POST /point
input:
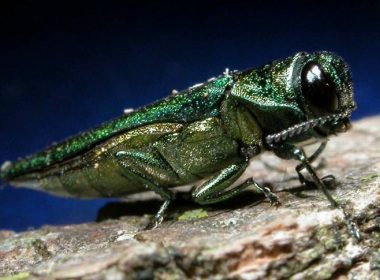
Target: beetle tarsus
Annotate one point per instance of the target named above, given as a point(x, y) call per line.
point(353, 227)
point(330, 181)
point(159, 217)
point(273, 199)
point(269, 195)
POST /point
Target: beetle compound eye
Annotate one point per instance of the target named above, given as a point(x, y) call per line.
point(318, 89)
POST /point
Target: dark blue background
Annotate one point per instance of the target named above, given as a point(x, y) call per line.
point(65, 67)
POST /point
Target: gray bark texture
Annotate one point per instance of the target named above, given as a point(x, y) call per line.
point(243, 238)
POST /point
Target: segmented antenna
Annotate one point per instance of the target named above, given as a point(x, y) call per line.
point(302, 128)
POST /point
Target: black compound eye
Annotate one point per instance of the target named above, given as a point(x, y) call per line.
point(318, 89)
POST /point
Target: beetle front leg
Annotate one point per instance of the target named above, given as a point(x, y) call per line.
point(289, 151)
point(301, 166)
point(214, 190)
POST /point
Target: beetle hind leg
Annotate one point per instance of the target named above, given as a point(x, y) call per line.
point(159, 217)
point(149, 168)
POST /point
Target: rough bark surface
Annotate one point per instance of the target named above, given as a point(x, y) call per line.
point(244, 238)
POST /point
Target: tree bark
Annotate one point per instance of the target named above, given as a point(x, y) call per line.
point(243, 238)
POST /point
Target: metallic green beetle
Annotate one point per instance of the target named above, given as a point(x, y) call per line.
point(210, 130)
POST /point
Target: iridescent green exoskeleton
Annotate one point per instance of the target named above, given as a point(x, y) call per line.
point(209, 131)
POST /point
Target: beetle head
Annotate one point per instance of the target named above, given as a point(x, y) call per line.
point(303, 96)
point(325, 91)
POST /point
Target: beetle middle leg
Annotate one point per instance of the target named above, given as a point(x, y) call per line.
point(149, 168)
point(214, 190)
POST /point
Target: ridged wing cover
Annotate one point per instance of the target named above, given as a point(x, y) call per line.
point(193, 104)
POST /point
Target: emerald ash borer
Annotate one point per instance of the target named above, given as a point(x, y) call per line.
point(208, 131)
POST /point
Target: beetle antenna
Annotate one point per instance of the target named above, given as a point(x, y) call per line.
point(303, 127)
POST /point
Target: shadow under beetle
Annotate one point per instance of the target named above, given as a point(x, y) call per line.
point(210, 130)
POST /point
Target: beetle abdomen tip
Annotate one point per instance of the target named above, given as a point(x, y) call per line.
point(5, 167)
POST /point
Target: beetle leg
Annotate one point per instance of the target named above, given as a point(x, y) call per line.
point(289, 151)
point(214, 190)
point(140, 163)
point(300, 167)
point(329, 180)
point(269, 195)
